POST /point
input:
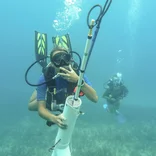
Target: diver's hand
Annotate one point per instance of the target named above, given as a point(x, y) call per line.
point(59, 120)
point(112, 99)
point(69, 75)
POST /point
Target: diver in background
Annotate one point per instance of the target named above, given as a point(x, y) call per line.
point(114, 92)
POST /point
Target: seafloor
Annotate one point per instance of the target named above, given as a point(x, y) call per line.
point(97, 135)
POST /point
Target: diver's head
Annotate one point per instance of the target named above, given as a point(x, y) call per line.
point(117, 78)
point(60, 57)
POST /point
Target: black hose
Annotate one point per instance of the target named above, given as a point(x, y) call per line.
point(101, 14)
point(97, 23)
point(26, 73)
point(35, 85)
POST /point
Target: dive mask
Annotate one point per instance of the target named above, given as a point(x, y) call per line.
point(61, 59)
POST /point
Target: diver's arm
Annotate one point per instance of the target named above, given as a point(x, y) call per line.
point(89, 92)
point(44, 113)
point(106, 97)
point(71, 76)
point(106, 94)
point(125, 91)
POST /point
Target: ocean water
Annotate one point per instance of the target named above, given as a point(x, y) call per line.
point(125, 43)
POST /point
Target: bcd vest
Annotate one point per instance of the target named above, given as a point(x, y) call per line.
point(49, 73)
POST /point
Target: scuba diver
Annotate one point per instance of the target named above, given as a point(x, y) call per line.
point(114, 92)
point(59, 80)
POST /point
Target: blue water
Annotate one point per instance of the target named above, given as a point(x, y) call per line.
point(125, 43)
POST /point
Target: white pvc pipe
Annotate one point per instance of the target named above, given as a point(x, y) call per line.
point(71, 113)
